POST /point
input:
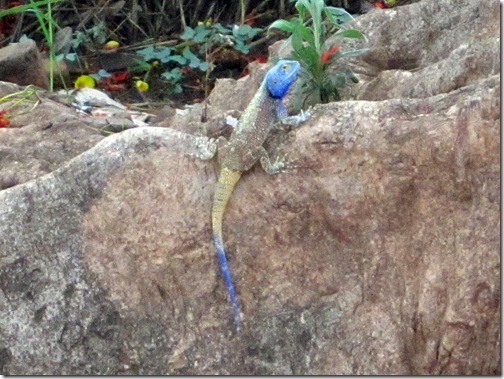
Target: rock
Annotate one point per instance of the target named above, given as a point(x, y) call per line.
point(22, 64)
point(44, 134)
point(419, 50)
point(426, 48)
point(375, 252)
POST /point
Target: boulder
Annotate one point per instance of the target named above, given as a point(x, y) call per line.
point(426, 48)
point(44, 134)
point(21, 63)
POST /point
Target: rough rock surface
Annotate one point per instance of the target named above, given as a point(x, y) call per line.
point(41, 137)
point(427, 48)
point(375, 252)
point(22, 64)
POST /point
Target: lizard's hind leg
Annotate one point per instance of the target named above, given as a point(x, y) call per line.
point(268, 166)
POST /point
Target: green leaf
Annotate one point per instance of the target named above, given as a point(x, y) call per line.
point(221, 29)
point(242, 31)
point(316, 9)
point(188, 33)
point(201, 34)
point(164, 54)
point(349, 33)
point(140, 66)
point(337, 16)
point(147, 52)
point(178, 58)
point(296, 42)
point(284, 25)
point(79, 37)
point(173, 75)
point(306, 34)
point(241, 47)
point(194, 61)
point(203, 66)
point(26, 7)
point(301, 7)
point(309, 55)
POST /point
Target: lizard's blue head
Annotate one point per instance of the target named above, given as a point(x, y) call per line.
point(280, 77)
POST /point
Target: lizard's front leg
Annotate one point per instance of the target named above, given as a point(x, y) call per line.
point(289, 121)
point(296, 120)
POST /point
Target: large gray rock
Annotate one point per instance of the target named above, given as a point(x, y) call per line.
point(43, 136)
point(427, 48)
point(21, 63)
point(375, 252)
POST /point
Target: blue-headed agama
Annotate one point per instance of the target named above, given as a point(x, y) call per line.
point(245, 148)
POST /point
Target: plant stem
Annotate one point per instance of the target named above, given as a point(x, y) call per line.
point(242, 12)
point(50, 43)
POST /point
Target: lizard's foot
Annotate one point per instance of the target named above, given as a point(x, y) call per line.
point(272, 168)
point(297, 119)
point(207, 147)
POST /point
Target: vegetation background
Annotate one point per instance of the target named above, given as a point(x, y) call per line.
point(159, 49)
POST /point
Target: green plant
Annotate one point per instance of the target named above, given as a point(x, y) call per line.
point(207, 40)
point(162, 55)
point(310, 31)
point(46, 23)
point(214, 38)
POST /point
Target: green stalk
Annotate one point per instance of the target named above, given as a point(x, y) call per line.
point(26, 7)
point(50, 43)
point(316, 31)
point(46, 23)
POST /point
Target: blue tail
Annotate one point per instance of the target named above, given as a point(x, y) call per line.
point(226, 275)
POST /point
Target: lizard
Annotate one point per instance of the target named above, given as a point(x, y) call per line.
point(245, 148)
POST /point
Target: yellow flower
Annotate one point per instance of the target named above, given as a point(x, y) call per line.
point(206, 23)
point(142, 86)
point(84, 81)
point(111, 45)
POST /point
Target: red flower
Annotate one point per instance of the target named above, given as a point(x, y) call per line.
point(118, 77)
point(4, 119)
point(326, 55)
point(379, 4)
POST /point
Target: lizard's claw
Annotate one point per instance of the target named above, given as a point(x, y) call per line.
point(304, 116)
point(272, 168)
